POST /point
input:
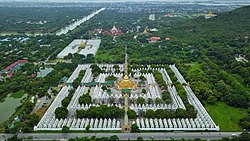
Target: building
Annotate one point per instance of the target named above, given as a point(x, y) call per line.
point(106, 32)
point(151, 17)
point(153, 30)
point(15, 65)
point(115, 31)
point(145, 32)
point(209, 15)
point(167, 39)
point(154, 39)
point(80, 46)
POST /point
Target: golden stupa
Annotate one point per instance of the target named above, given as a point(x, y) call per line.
point(210, 14)
point(145, 31)
point(82, 44)
point(126, 83)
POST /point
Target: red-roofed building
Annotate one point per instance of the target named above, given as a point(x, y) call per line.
point(10, 74)
point(106, 32)
point(154, 39)
point(33, 75)
point(15, 64)
point(118, 32)
point(167, 39)
point(115, 31)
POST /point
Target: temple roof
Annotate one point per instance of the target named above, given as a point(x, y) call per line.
point(126, 83)
point(114, 28)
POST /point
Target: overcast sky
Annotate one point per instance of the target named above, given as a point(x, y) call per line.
point(113, 0)
point(87, 0)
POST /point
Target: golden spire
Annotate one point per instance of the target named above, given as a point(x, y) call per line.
point(145, 31)
point(210, 14)
point(126, 83)
point(82, 44)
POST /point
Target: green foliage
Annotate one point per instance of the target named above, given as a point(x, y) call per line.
point(25, 125)
point(181, 113)
point(178, 113)
point(54, 21)
point(85, 99)
point(211, 99)
point(65, 102)
point(95, 70)
point(65, 129)
point(140, 100)
point(150, 101)
point(159, 101)
point(61, 112)
point(111, 78)
point(140, 139)
point(77, 81)
point(102, 111)
point(104, 88)
point(87, 128)
point(14, 138)
point(114, 138)
point(135, 128)
point(165, 94)
point(131, 114)
point(142, 78)
point(150, 113)
point(245, 122)
point(236, 100)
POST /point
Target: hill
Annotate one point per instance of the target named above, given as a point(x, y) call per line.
point(230, 25)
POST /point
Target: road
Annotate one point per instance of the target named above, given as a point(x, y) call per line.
point(126, 136)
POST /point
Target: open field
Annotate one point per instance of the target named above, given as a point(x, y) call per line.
point(227, 117)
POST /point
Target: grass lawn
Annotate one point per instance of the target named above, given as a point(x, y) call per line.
point(105, 56)
point(194, 67)
point(227, 117)
point(18, 94)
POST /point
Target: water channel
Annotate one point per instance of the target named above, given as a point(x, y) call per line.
point(72, 26)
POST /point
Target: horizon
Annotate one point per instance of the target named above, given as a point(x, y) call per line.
point(108, 1)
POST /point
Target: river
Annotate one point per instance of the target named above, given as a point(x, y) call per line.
point(72, 26)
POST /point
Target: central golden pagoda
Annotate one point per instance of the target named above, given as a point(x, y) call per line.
point(126, 83)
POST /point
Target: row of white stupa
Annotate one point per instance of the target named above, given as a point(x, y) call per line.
point(202, 122)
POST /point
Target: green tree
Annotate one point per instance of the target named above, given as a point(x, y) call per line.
point(87, 128)
point(61, 112)
point(135, 128)
point(65, 129)
point(150, 113)
point(244, 136)
point(114, 138)
point(140, 139)
point(66, 101)
point(85, 99)
point(211, 99)
point(140, 100)
point(131, 114)
point(181, 113)
point(150, 101)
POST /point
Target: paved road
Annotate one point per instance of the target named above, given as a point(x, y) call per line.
point(126, 136)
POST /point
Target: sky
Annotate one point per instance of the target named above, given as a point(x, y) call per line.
point(111, 0)
point(87, 0)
